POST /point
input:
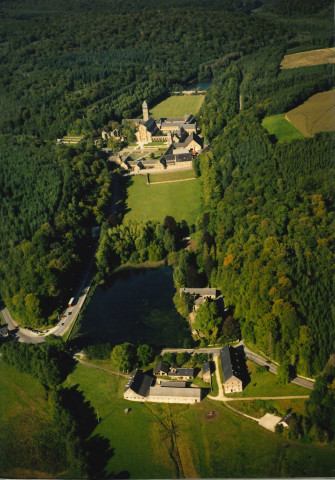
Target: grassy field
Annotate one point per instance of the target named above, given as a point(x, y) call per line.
point(265, 385)
point(283, 130)
point(164, 177)
point(26, 423)
point(317, 114)
point(306, 59)
point(178, 106)
point(180, 200)
point(177, 441)
point(258, 408)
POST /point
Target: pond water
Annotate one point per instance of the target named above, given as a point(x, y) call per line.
point(201, 86)
point(137, 306)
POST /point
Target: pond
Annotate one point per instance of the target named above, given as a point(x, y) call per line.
point(200, 86)
point(137, 307)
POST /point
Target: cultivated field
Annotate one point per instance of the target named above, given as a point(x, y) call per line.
point(317, 114)
point(181, 200)
point(283, 130)
point(307, 59)
point(177, 441)
point(178, 106)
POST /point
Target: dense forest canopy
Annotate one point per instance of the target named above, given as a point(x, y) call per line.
point(270, 219)
point(73, 68)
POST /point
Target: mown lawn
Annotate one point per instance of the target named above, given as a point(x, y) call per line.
point(176, 441)
point(178, 106)
point(164, 177)
point(283, 130)
point(265, 385)
point(181, 200)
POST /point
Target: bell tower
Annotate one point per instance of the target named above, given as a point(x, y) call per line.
point(145, 111)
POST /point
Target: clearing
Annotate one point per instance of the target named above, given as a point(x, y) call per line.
point(317, 114)
point(283, 130)
point(177, 441)
point(309, 58)
point(181, 200)
point(178, 106)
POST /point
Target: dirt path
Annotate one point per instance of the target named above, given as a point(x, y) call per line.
point(173, 181)
point(100, 368)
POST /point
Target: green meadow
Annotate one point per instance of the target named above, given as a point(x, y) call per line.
point(283, 130)
point(181, 200)
point(181, 441)
point(264, 384)
point(178, 106)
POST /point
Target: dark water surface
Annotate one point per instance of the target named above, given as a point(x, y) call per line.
point(137, 306)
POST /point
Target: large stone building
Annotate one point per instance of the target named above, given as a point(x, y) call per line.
point(231, 370)
point(161, 129)
point(144, 388)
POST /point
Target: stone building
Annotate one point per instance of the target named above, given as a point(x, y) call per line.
point(231, 370)
point(144, 388)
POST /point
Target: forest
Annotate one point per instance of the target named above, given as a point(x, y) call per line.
point(269, 210)
point(265, 238)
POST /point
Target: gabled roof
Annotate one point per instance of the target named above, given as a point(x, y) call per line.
point(190, 392)
point(206, 367)
point(182, 372)
point(161, 367)
point(229, 363)
point(139, 383)
point(173, 384)
point(199, 291)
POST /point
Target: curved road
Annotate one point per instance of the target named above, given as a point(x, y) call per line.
point(68, 317)
point(306, 383)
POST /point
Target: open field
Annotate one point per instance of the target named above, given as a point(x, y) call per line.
point(317, 114)
point(181, 200)
point(164, 177)
point(258, 408)
point(283, 130)
point(176, 441)
point(26, 424)
point(306, 59)
point(178, 106)
point(265, 385)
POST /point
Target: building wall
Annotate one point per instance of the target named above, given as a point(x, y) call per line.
point(233, 384)
point(159, 399)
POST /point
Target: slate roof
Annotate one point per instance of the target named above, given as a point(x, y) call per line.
point(178, 157)
point(192, 136)
point(229, 362)
point(176, 392)
point(199, 291)
point(150, 124)
point(161, 367)
point(182, 372)
point(206, 367)
point(139, 383)
point(173, 384)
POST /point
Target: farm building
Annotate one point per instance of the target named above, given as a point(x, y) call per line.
point(231, 370)
point(140, 388)
point(161, 368)
point(206, 372)
point(183, 373)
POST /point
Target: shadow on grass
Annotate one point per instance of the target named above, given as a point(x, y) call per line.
point(124, 184)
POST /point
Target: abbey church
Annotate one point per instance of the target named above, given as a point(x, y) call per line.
point(163, 129)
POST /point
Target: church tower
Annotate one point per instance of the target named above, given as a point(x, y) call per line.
point(145, 111)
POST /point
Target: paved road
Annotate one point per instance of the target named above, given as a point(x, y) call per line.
point(68, 316)
point(250, 355)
